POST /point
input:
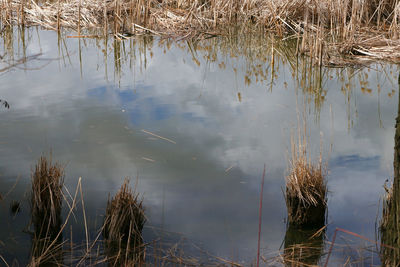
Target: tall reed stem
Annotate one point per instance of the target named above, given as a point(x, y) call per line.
point(260, 218)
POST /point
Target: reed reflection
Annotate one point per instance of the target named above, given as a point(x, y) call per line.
point(303, 247)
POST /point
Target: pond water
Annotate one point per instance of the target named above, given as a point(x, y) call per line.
point(224, 107)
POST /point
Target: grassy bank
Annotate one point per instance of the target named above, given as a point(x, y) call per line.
point(323, 28)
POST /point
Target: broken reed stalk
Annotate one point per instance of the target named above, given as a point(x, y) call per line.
point(116, 17)
point(46, 201)
point(105, 19)
point(305, 188)
point(58, 16)
point(22, 12)
point(123, 225)
point(79, 18)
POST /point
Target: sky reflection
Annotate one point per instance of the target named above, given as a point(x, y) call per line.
point(206, 185)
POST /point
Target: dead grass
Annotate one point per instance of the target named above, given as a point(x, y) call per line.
point(305, 187)
point(123, 225)
point(325, 28)
point(47, 195)
point(46, 203)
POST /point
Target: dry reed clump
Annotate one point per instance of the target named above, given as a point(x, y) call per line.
point(46, 202)
point(47, 195)
point(305, 189)
point(123, 225)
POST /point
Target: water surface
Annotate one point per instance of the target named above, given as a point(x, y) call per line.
point(227, 107)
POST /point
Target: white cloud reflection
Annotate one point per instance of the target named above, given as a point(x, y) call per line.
point(96, 125)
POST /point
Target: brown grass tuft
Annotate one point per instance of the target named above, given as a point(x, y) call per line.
point(305, 188)
point(123, 225)
point(46, 201)
point(47, 195)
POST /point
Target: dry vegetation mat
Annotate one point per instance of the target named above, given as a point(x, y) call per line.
point(324, 28)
